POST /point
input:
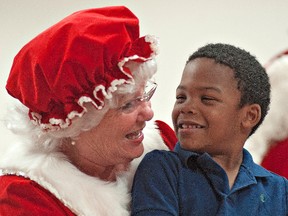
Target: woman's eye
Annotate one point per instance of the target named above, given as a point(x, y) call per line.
point(127, 105)
point(207, 98)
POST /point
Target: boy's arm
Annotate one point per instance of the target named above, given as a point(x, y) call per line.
point(155, 190)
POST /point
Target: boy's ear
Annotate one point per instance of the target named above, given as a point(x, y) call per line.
point(252, 115)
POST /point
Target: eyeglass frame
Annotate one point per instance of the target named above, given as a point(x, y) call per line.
point(131, 105)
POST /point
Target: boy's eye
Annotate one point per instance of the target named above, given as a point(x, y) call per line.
point(207, 99)
point(180, 98)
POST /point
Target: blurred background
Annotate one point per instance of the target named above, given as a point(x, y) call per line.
point(258, 26)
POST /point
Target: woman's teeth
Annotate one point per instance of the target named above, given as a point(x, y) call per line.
point(134, 135)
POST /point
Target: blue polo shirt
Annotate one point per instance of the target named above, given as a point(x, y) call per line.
point(186, 183)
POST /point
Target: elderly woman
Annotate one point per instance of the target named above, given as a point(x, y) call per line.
point(85, 83)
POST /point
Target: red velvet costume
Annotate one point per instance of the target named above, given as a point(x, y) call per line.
point(19, 195)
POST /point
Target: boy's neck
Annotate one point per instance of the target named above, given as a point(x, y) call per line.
point(231, 164)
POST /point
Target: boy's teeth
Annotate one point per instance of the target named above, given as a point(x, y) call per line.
point(185, 126)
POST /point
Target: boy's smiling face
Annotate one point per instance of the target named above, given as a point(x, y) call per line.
point(206, 114)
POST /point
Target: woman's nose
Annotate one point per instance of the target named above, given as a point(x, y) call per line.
point(145, 111)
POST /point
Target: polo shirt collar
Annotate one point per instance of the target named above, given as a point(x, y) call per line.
point(247, 164)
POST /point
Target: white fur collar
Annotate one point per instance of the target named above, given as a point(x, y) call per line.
point(82, 194)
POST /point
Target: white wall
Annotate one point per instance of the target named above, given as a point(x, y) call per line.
point(259, 26)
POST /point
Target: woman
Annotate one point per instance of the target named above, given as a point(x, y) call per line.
point(86, 84)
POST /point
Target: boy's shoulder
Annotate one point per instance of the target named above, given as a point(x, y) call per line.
point(161, 158)
point(276, 177)
point(159, 154)
point(269, 176)
point(259, 171)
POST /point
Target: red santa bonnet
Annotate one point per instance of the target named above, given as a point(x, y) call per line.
point(269, 144)
point(80, 59)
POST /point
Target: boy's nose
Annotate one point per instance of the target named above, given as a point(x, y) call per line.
point(188, 107)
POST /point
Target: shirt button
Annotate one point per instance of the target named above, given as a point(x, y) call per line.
point(192, 162)
point(262, 198)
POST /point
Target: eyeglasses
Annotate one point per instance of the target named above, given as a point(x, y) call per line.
point(132, 104)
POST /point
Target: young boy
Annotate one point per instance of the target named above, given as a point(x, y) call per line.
point(223, 97)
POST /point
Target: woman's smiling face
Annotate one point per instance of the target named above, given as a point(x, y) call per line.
point(117, 139)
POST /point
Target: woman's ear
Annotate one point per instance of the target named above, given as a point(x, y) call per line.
point(252, 115)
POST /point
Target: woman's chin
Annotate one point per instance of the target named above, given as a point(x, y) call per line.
point(137, 151)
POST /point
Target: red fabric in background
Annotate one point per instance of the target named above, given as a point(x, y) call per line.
point(168, 135)
point(276, 159)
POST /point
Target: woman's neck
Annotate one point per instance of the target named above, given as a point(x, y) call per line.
point(107, 173)
point(98, 168)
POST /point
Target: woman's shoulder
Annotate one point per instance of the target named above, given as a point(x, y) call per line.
point(16, 184)
point(21, 194)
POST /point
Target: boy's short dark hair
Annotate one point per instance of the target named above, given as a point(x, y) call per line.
point(253, 81)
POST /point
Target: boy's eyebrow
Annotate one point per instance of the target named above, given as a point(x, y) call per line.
point(211, 88)
point(180, 87)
